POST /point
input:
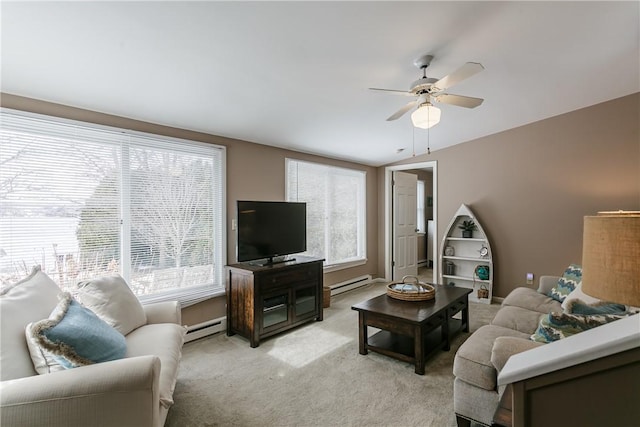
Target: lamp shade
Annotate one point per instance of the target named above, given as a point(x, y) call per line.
point(425, 116)
point(611, 257)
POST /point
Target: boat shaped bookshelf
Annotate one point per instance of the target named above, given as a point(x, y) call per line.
point(467, 261)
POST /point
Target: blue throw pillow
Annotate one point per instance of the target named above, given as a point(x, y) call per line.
point(75, 336)
point(579, 307)
point(570, 279)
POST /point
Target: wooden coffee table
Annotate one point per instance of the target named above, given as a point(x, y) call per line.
point(412, 331)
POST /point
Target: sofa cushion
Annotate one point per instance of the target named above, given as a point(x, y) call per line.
point(113, 301)
point(556, 326)
point(517, 318)
point(165, 341)
point(505, 347)
point(531, 300)
point(76, 336)
point(472, 362)
point(571, 277)
point(29, 300)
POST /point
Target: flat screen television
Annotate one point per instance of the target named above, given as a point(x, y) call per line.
point(267, 230)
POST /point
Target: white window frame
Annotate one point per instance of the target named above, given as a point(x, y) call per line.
point(362, 219)
point(186, 296)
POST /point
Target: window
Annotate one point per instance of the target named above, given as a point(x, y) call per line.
point(335, 200)
point(421, 210)
point(84, 200)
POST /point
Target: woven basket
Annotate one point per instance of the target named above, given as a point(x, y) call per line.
point(483, 292)
point(406, 291)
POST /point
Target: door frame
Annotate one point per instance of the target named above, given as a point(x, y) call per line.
point(388, 209)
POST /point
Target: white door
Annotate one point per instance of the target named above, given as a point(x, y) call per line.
point(405, 225)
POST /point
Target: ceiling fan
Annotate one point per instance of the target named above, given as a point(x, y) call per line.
point(427, 90)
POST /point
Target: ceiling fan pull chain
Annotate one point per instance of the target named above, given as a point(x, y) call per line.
point(413, 134)
point(428, 138)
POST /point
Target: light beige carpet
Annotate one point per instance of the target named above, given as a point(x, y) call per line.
point(314, 376)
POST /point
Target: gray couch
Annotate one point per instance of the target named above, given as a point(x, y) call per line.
point(481, 357)
point(132, 391)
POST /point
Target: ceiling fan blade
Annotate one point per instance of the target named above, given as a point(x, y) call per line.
point(459, 100)
point(467, 70)
point(394, 91)
point(403, 110)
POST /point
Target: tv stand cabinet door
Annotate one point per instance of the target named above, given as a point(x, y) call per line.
point(274, 310)
point(305, 301)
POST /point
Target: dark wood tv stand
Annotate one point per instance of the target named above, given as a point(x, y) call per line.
point(263, 300)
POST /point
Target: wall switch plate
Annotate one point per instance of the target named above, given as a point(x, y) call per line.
point(529, 278)
point(233, 224)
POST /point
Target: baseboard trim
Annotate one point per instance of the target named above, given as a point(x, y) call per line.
point(338, 288)
point(204, 329)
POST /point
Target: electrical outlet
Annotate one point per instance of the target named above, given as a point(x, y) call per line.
point(529, 278)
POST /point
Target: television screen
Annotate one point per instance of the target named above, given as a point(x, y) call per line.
point(270, 229)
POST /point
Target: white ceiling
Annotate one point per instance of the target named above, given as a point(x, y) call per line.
point(296, 74)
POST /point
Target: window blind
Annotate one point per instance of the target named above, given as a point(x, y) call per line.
point(336, 210)
point(83, 200)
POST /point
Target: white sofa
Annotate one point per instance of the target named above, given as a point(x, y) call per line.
point(132, 391)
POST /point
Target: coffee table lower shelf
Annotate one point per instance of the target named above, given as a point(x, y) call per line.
point(402, 347)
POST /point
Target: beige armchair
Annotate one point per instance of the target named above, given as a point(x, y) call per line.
point(133, 391)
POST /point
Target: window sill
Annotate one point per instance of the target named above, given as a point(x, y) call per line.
point(344, 265)
point(186, 297)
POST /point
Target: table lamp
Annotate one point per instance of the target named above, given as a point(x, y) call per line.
point(611, 257)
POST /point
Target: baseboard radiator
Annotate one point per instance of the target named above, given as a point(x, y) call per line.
point(204, 329)
point(338, 288)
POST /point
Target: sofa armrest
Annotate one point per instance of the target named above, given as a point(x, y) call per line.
point(546, 283)
point(505, 347)
point(163, 312)
point(122, 392)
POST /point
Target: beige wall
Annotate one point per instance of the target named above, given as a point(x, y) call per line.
point(531, 186)
point(254, 172)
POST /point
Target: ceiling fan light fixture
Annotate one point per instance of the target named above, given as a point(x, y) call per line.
point(426, 116)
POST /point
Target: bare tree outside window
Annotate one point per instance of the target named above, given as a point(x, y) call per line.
point(172, 211)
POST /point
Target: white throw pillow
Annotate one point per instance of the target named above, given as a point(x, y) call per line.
point(43, 361)
point(578, 294)
point(113, 301)
point(29, 300)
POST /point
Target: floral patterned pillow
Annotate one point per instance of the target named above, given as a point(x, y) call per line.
point(556, 326)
